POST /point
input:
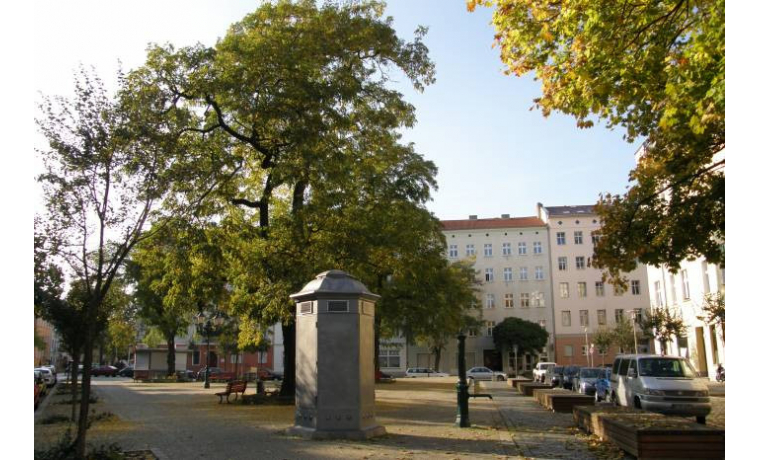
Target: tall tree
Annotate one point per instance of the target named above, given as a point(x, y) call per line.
point(656, 69)
point(714, 308)
point(105, 170)
point(292, 94)
point(527, 336)
point(663, 325)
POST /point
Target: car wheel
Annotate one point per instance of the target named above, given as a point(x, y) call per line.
point(702, 419)
point(500, 378)
point(637, 402)
point(614, 399)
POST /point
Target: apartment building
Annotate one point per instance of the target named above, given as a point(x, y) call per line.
point(511, 256)
point(582, 302)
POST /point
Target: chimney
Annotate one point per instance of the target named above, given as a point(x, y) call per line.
point(505, 216)
point(473, 217)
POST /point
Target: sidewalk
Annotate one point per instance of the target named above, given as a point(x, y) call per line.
point(535, 432)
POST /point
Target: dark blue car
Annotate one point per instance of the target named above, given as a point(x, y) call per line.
point(603, 385)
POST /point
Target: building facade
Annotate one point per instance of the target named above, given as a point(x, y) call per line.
point(583, 303)
point(511, 257)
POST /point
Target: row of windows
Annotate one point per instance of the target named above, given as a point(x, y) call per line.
point(569, 350)
point(527, 299)
point(685, 289)
point(488, 329)
point(508, 274)
point(577, 238)
point(506, 249)
point(601, 317)
point(581, 262)
point(564, 289)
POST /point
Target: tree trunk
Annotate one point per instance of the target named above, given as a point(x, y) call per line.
point(170, 357)
point(84, 407)
point(288, 388)
point(437, 353)
point(73, 374)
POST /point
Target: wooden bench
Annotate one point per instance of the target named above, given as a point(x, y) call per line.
point(513, 381)
point(561, 400)
point(528, 386)
point(236, 386)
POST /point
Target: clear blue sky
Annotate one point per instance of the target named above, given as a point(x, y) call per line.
point(494, 154)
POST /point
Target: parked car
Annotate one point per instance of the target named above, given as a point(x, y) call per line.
point(603, 385)
point(128, 371)
point(664, 384)
point(39, 381)
point(215, 373)
point(568, 374)
point(268, 374)
point(106, 371)
point(553, 375)
point(52, 369)
point(47, 376)
point(424, 372)
point(382, 377)
point(584, 381)
point(539, 372)
point(484, 373)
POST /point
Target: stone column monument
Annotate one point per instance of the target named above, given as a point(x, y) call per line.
point(335, 349)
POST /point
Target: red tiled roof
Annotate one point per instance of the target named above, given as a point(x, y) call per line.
point(474, 224)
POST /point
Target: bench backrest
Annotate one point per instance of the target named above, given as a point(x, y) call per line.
point(237, 386)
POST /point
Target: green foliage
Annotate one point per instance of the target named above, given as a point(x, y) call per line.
point(529, 337)
point(663, 325)
point(64, 449)
point(656, 69)
point(39, 342)
point(603, 339)
point(714, 307)
point(154, 338)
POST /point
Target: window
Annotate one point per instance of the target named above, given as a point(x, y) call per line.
point(685, 285)
point(584, 317)
point(453, 251)
point(509, 300)
point(599, 288)
point(506, 249)
point(470, 250)
point(601, 317)
point(538, 299)
point(657, 294)
point(583, 350)
point(196, 357)
point(580, 263)
point(539, 273)
point(537, 247)
point(523, 273)
point(490, 301)
point(638, 314)
point(566, 318)
point(672, 288)
point(337, 306)
point(578, 237)
point(489, 275)
point(564, 290)
point(472, 332)
point(618, 315)
point(568, 350)
point(508, 274)
point(562, 261)
point(706, 277)
point(595, 238)
point(389, 357)
point(489, 328)
point(582, 289)
point(524, 299)
point(560, 238)
point(522, 248)
point(635, 287)
point(487, 250)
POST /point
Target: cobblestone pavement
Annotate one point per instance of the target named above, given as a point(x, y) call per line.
point(534, 432)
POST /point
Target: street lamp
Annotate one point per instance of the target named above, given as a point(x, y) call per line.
point(633, 325)
point(588, 351)
point(206, 322)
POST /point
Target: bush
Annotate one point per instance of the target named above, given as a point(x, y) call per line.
point(64, 450)
point(57, 418)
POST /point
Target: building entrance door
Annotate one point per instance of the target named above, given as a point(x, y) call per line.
point(701, 353)
point(492, 360)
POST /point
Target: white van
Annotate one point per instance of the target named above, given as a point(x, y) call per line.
point(539, 372)
point(664, 384)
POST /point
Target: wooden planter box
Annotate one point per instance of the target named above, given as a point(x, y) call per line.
point(561, 400)
point(527, 387)
point(515, 380)
point(587, 417)
point(647, 435)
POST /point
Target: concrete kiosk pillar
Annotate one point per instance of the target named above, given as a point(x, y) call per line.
point(335, 348)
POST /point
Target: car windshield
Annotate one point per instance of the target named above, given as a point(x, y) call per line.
point(666, 367)
point(592, 373)
point(558, 369)
point(571, 370)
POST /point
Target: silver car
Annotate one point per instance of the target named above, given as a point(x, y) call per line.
point(484, 373)
point(424, 372)
point(47, 376)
